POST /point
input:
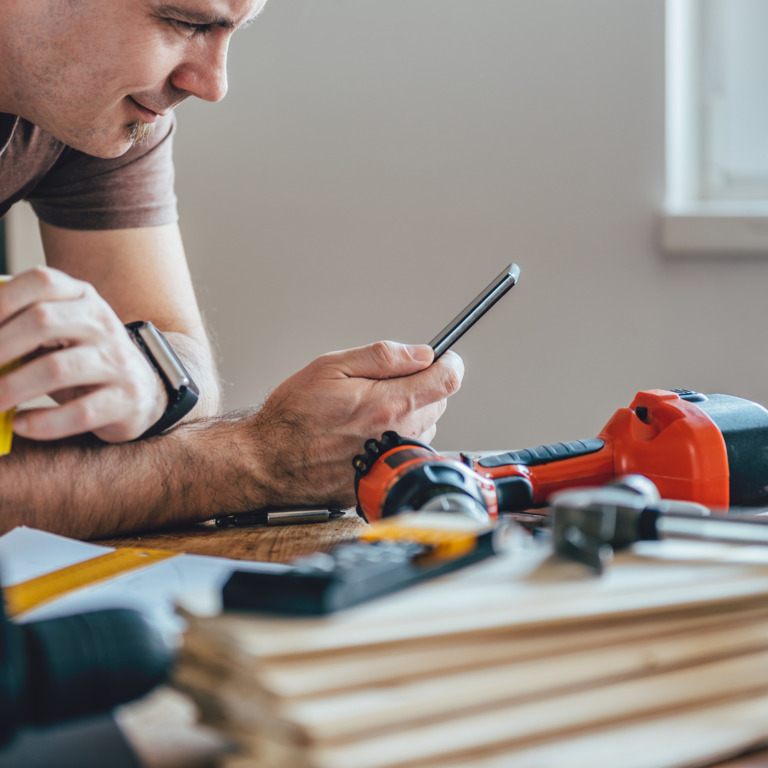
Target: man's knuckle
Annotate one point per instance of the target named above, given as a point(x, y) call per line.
point(125, 357)
point(45, 277)
point(86, 414)
point(133, 390)
point(383, 352)
point(452, 381)
point(400, 409)
point(43, 317)
point(389, 413)
point(57, 369)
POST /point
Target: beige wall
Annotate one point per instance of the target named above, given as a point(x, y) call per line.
point(377, 162)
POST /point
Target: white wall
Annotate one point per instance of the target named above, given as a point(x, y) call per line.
point(376, 163)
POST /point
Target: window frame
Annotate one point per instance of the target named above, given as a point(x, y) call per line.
point(702, 216)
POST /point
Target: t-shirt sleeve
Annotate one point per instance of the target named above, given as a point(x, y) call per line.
point(133, 190)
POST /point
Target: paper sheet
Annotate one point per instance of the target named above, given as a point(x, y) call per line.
point(26, 553)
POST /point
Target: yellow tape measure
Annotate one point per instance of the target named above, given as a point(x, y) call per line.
point(446, 544)
point(30, 594)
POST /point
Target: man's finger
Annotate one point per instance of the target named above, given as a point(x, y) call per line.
point(382, 360)
point(52, 372)
point(84, 414)
point(48, 325)
point(437, 382)
point(35, 285)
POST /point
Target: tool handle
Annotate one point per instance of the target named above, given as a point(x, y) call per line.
point(547, 469)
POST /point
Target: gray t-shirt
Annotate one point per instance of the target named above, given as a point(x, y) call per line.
point(72, 190)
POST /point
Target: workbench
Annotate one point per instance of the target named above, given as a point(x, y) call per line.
point(162, 730)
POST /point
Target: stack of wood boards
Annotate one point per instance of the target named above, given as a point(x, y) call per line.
point(522, 660)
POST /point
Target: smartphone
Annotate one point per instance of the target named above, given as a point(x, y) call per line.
point(474, 310)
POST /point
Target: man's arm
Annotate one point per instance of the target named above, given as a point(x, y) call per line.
point(296, 450)
point(143, 275)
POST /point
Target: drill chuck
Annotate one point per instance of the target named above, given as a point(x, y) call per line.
point(396, 475)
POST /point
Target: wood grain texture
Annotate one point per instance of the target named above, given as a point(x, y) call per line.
point(266, 543)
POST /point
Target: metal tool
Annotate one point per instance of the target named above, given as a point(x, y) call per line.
point(588, 524)
point(278, 517)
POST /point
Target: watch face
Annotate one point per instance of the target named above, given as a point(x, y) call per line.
point(164, 356)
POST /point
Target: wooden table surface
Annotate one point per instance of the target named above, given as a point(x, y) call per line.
point(265, 543)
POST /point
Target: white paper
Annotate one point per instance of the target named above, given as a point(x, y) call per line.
point(155, 589)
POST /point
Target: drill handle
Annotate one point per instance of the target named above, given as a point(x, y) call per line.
point(542, 454)
point(546, 469)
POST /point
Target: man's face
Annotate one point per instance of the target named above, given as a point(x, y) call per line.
point(97, 74)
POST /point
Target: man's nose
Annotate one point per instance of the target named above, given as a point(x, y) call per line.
point(204, 73)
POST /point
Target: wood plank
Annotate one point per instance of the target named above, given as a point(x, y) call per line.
point(334, 672)
point(686, 738)
point(736, 678)
point(331, 673)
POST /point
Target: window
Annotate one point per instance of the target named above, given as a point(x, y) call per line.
point(717, 127)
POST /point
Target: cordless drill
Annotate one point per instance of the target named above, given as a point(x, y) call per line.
point(709, 449)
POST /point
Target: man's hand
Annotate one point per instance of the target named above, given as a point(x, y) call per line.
point(314, 423)
point(74, 349)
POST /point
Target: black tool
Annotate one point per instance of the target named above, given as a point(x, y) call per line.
point(70, 667)
point(353, 572)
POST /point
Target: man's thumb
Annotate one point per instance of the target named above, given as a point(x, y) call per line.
point(387, 360)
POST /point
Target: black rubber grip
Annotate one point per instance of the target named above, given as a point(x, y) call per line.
point(544, 454)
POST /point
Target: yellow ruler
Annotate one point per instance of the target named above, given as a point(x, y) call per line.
point(30, 594)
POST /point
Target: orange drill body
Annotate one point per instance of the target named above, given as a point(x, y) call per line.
point(709, 449)
point(667, 438)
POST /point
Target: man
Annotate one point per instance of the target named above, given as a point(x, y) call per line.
point(87, 89)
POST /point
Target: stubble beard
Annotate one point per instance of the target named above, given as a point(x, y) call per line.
point(140, 131)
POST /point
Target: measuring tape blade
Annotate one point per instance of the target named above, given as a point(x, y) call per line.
point(26, 595)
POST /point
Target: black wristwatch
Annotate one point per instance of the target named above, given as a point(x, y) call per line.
point(182, 391)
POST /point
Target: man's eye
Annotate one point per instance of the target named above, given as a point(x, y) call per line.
point(188, 27)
